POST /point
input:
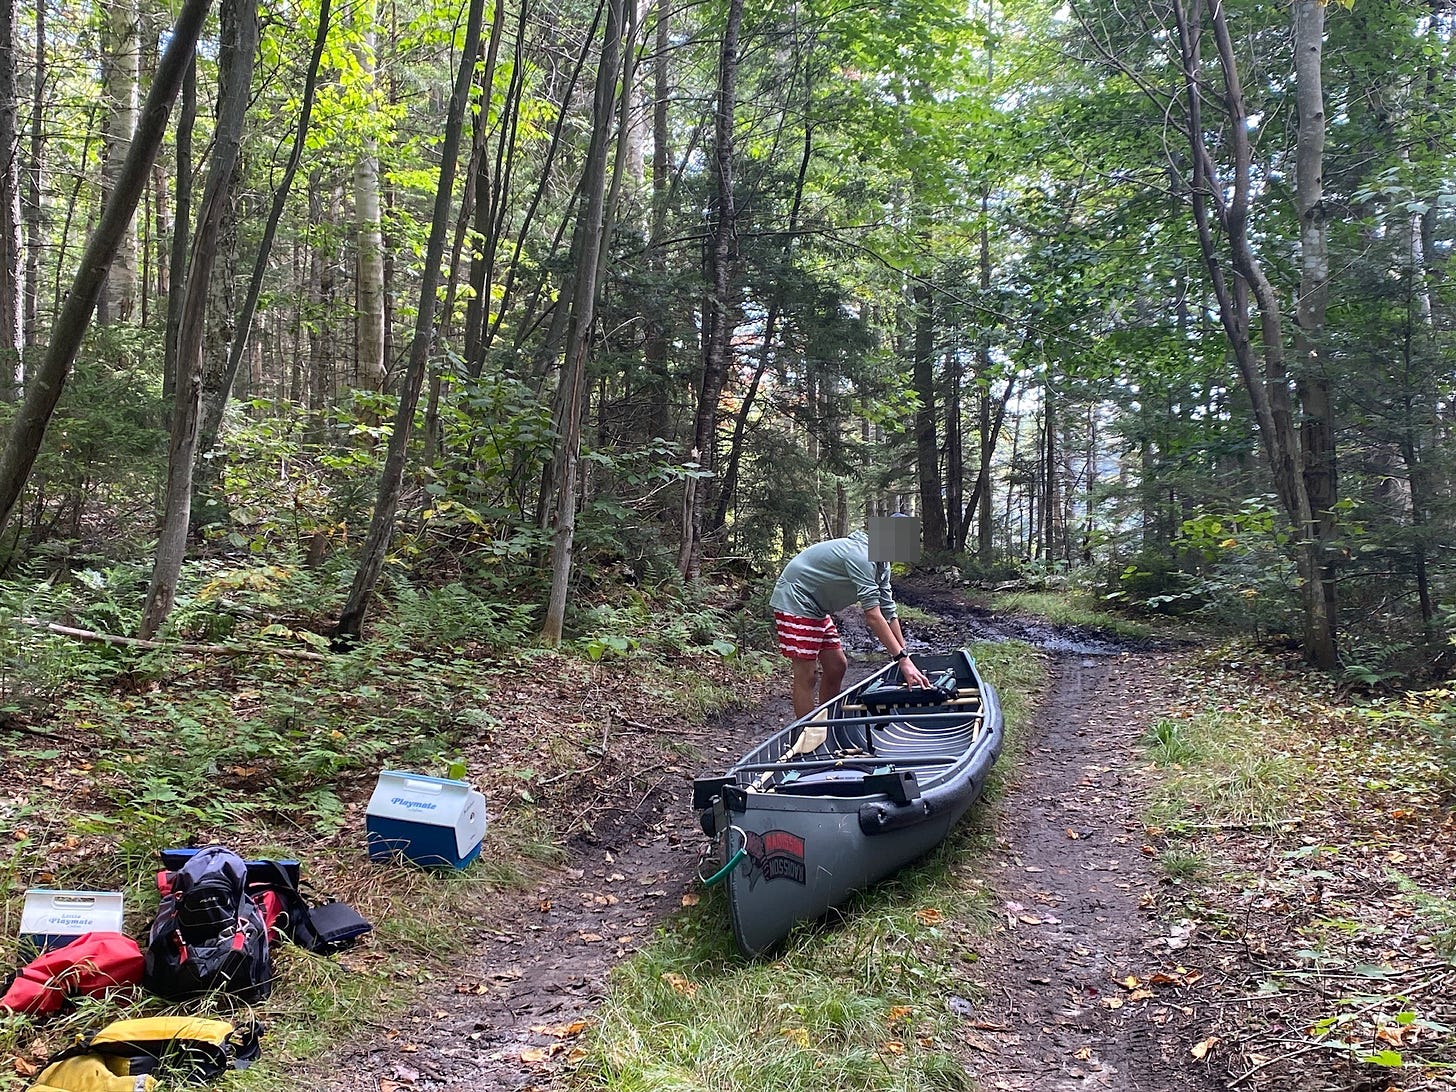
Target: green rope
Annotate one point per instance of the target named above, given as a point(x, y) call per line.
point(717, 877)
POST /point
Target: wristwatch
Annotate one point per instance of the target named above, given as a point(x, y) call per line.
point(902, 654)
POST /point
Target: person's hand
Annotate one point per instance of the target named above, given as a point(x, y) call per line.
point(912, 675)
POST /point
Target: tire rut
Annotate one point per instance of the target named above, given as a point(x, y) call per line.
point(1075, 966)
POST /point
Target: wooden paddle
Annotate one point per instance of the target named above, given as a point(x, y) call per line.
point(811, 738)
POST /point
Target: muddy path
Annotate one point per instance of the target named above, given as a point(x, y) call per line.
point(1087, 991)
point(1069, 860)
point(539, 959)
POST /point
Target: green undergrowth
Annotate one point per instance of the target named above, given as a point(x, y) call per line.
point(864, 1002)
point(1071, 609)
point(1311, 834)
point(258, 737)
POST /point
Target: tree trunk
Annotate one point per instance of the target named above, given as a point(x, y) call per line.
point(587, 247)
point(381, 528)
point(717, 308)
point(1312, 384)
point(1268, 391)
point(1051, 487)
point(123, 63)
point(479, 204)
point(769, 349)
point(181, 235)
point(239, 48)
point(371, 368)
point(35, 187)
point(955, 459)
point(44, 388)
point(12, 338)
point(656, 324)
point(207, 493)
point(927, 450)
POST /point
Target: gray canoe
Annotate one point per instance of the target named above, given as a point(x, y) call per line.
point(797, 834)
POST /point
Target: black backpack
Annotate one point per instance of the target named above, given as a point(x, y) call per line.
point(209, 932)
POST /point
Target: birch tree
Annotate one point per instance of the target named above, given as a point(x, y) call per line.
point(381, 527)
point(123, 73)
point(11, 330)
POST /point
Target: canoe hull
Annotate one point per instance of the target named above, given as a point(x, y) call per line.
point(808, 845)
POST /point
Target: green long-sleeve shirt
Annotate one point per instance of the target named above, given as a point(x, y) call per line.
point(829, 576)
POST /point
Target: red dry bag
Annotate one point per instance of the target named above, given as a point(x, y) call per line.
point(88, 966)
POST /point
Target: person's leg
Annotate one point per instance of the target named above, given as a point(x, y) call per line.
point(803, 686)
point(832, 665)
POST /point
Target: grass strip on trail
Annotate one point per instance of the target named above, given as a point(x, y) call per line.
point(1309, 846)
point(870, 1002)
point(1072, 609)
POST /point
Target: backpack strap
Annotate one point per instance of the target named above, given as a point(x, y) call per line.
point(319, 929)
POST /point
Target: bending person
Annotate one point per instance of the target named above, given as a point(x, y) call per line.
point(822, 579)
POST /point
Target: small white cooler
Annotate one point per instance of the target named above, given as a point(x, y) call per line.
point(51, 919)
point(431, 821)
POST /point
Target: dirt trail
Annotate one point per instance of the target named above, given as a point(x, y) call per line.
point(1075, 888)
point(1071, 879)
point(539, 959)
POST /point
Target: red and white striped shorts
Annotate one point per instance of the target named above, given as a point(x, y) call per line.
point(804, 638)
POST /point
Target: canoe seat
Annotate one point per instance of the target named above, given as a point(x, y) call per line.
point(862, 780)
point(842, 781)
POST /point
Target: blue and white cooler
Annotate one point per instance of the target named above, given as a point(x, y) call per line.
point(432, 821)
point(52, 919)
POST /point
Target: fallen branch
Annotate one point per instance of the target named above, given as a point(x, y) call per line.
point(192, 649)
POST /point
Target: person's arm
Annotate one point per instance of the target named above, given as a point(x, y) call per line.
point(890, 636)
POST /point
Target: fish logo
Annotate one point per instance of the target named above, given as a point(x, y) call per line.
point(776, 855)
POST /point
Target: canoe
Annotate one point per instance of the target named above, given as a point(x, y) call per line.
point(799, 827)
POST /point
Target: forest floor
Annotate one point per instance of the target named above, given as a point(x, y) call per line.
point(1083, 987)
point(1200, 869)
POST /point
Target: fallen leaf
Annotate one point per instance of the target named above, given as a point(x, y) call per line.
point(1140, 995)
point(1132, 982)
point(1029, 919)
point(894, 1046)
point(574, 1055)
point(590, 938)
point(1083, 1053)
point(534, 1055)
point(24, 1067)
point(797, 1036)
point(1149, 851)
point(929, 916)
point(977, 1044)
point(1072, 834)
point(679, 983)
point(1199, 1049)
point(898, 1013)
point(1112, 1002)
point(690, 899)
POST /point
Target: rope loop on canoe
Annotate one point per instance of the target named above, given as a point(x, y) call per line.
point(733, 859)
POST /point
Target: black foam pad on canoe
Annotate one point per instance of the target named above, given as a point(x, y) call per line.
point(884, 694)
